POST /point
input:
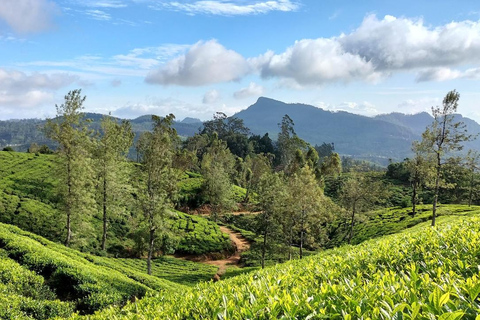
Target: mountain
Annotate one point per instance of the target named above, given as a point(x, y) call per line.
point(377, 139)
point(20, 134)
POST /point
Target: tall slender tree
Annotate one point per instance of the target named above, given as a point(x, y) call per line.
point(69, 129)
point(273, 196)
point(358, 194)
point(112, 169)
point(420, 172)
point(307, 202)
point(472, 165)
point(442, 137)
point(157, 179)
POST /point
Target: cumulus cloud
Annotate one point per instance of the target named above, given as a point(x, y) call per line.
point(211, 96)
point(28, 16)
point(204, 63)
point(252, 90)
point(228, 8)
point(318, 61)
point(376, 49)
point(18, 89)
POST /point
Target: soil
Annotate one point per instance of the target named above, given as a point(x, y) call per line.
point(240, 243)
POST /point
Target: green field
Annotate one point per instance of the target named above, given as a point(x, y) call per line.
point(28, 200)
point(426, 273)
point(40, 279)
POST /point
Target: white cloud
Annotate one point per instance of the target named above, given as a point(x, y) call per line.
point(318, 61)
point(228, 8)
point(364, 108)
point(445, 74)
point(252, 90)
point(21, 90)
point(418, 105)
point(405, 44)
point(28, 16)
point(379, 48)
point(211, 97)
point(204, 63)
point(102, 3)
point(98, 15)
point(17, 81)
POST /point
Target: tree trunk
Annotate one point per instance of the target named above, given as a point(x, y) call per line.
point(352, 223)
point(104, 236)
point(68, 208)
point(470, 193)
point(150, 251)
point(264, 246)
point(302, 226)
point(414, 198)
point(437, 187)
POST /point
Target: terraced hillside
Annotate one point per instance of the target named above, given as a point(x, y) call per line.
point(425, 273)
point(28, 200)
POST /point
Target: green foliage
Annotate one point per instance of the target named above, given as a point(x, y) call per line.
point(41, 272)
point(387, 221)
point(405, 276)
point(199, 235)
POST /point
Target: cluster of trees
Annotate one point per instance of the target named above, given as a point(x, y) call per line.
point(436, 166)
point(286, 177)
point(96, 177)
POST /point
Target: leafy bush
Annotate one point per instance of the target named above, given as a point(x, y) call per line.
point(428, 274)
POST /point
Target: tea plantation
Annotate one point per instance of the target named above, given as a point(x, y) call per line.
point(40, 279)
point(428, 273)
point(28, 200)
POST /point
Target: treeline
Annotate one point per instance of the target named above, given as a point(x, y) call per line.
point(302, 193)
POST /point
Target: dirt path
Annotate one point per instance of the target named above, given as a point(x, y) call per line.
point(241, 245)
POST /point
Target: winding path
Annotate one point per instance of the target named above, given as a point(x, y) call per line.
point(241, 244)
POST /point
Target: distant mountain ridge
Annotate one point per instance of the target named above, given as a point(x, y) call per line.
point(379, 138)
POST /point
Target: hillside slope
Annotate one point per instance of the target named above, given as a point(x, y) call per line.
point(29, 201)
point(430, 273)
point(47, 279)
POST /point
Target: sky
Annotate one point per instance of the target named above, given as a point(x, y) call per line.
point(193, 58)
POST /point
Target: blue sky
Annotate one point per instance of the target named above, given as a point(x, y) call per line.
point(193, 58)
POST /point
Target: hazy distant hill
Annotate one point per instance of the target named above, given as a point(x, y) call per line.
point(384, 137)
point(380, 138)
point(21, 133)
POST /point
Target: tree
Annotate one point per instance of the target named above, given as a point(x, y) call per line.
point(158, 179)
point(472, 165)
point(419, 172)
point(112, 168)
point(307, 203)
point(217, 168)
point(70, 131)
point(272, 193)
point(442, 137)
point(358, 194)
